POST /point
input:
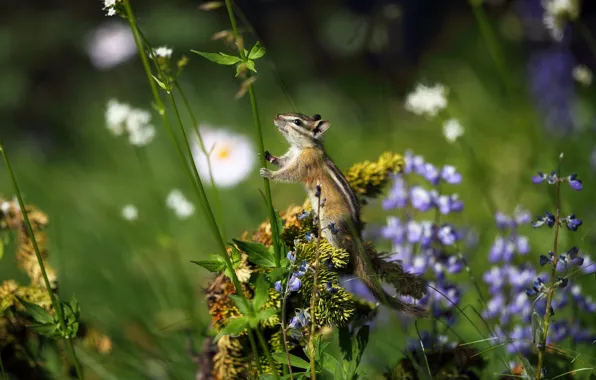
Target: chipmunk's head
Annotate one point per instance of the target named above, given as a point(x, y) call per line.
point(301, 130)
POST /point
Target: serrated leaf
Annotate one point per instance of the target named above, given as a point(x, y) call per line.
point(261, 292)
point(257, 253)
point(234, 327)
point(160, 83)
point(362, 339)
point(256, 52)
point(242, 304)
point(281, 357)
point(214, 266)
point(278, 273)
point(219, 58)
point(38, 313)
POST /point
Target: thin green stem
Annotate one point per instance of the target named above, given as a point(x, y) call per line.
point(551, 288)
point(195, 124)
point(195, 179)
point(255, 351)
point(267, 352)
point(313, 300)
point(53, 297)
point(257, 122)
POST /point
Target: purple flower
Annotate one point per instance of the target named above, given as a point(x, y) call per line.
point(431, 173)
point(292, 256)
point(394, 230)
point(302, 268)
point(420, 198)
point(548, 219)
point(503, 221)
point(294, 283)
point(447, 234)
point(522, 216)
point(522, 244)
point(572, 222)
point(450, 175)
point(300, 320)
point(278, 286)
point(398, 195)
point(495, 278)
point(309, 236)
point(414, 164)
point(539, 178)
point(302, 215)
point(575, 183)
point(495, 306)
point(454, 265)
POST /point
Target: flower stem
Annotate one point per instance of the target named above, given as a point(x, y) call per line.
point(219, 210)
point(255, 351)
point(195, 179)
point(257, 122)
point(283, 325)
point(55, 303)
point(313, 298)
point(551, 288)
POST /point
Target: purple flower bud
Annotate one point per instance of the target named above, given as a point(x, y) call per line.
point(450, 175)
point(575, 183)
point(309, 236)
point(278, 286)
point(447, 235)
point(454, 265)
point(394, 230)
point(398, 195)
point(300, 320)
point(330, 288)
point(292, 256)
point(522, 216)
point(302, 268)
point(456, 204)
point(552, 178)
point(522, 244)
point(496, 250)
point(302, 215)
point(420, 198)
point(494, 278)
point(539, 178)
point(544, 260)
point(508, 251)
point(495, 306)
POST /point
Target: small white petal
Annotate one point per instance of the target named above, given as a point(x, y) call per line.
point(452, 130)
point(111, 44)
point(163, 51)
point(425, 100)
point(179, 204)
point(130, 212)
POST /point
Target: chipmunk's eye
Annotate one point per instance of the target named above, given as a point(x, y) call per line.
point(297, 122)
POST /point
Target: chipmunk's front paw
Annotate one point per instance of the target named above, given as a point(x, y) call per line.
point(268, 157)
point(265, 173)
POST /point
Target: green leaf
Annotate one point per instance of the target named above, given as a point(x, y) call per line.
point(251, 65)
point(160, 83)
point(345, 343)
point(256, 52)
point(362, 339)
point(46, 329)
point(219, 58)
point(330, 363)
point(261, 292)
point(214, 266)
point(339, 371)
point(281, 357)
point(257, 253)
point(38, 313)
point(234, 327)
point(277, 274)
point(242, 303)
point(263, 315)
point(1, 250)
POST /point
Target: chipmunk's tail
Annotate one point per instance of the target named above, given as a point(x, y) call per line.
point(360, 269)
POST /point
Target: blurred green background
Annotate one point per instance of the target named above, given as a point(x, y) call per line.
point(352, 62)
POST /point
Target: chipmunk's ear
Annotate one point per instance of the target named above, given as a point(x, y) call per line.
point(320, 128)
point(316, 117)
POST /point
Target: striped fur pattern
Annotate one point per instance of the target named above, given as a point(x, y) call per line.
point(307, 162)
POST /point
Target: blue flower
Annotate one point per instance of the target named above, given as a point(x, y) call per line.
point(548, 219)
point(278, 286)
point(539, 178)
point(292, 256)
point(398, 195)
point(394, 230)
point(309, 236)
point(450, 175)
point(420, 198)
point(431, 173)
point(302, 215)
point(302, 268)
point(300, 320)
point(294, 283)
point(503, 221)
point(572, 222)
point(447, 234)
point(545, 260)
point(575, 183)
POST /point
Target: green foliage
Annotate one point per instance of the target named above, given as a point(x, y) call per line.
point(257, 253)
point(49, 325)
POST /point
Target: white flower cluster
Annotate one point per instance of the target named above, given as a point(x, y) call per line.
point(430, 101)
point(110, 7)
point(556, 15)
point(163, 51)
point(121, 117)
point(182, 207)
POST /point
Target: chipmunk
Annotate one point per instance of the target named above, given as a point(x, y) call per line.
point(307, 162)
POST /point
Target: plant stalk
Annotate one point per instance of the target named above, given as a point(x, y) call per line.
point(53, 298)
point(313, 298)
point(257, 123)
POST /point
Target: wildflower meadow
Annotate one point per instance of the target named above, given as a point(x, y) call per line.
point(171, 210)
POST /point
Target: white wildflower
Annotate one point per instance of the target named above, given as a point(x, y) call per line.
point(181, 206)
point(556, 15)
point(110, 44)
point(163, 51)
point(232, 156)
point(425, 100)
point(582, 74)
point(130, 212)
point(121, 117)
point(243, 274)
point(110, 6)
point(116, 115)
point(5, 207)
point(452, 130)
